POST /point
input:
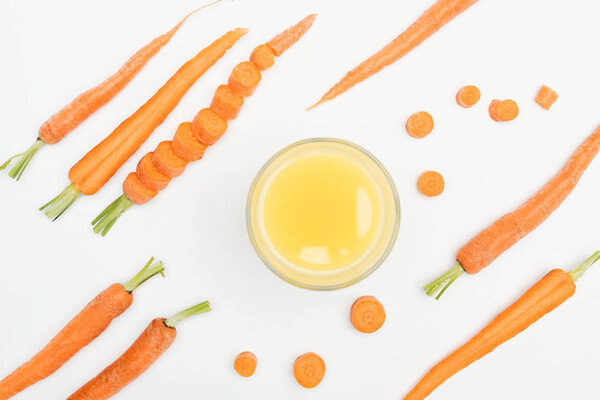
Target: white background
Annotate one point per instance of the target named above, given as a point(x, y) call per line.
point(51, 51)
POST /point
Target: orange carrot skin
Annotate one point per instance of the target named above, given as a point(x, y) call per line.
point(79, 332)
point(551, 291)
point(91, 172)
point(147, 348)
point(494, 240)
point(285, 39)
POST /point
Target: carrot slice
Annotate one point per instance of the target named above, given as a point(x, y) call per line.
point(263, 57)
point(151, 177)
point(226, 103)
point(244, 78)
point(430, 183)
point(420, 124)
point(492, 110)
point(309, 370)
point(135, 190)
point(166, 161)
point(367, 314)
point(185, 145)
point(208, 127)
point(503, 110)
point(245, 364)
point(468, 96)
point(546, 97)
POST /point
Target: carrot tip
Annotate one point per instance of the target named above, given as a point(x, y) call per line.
point(24, 160)
point(443, 282)
point(109, 216)
point(315, 105)
point(58, 205)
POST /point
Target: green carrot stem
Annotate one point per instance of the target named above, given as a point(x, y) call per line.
point(58, 205)
point(444, 281)
point(145, 273)
point(201, 308)
point(580, 270)
point(24, 159)
point(107, 218)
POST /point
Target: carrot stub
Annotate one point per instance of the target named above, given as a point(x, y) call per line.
point(367, 314)
point(135, 190)
point(226, 103)
point(468, 96)
point(309, 370)
point(546, 97)
point(420, 124)
point(503, 110)
point(185, 145)
point(208, 127)
point(244, 78)
point(167, 161)
point(151, 177)
point(263, 57)
point(245, 364)
point(430, 183)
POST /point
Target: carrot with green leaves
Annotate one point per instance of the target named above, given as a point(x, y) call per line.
point(78, 333)
point(64, 121)
point(148, 347)
point(494, 240)
point(90, 173)
point(547, 294)
point(440, 13)
point(170, 158)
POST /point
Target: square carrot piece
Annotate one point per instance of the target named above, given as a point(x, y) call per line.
point(546, 97)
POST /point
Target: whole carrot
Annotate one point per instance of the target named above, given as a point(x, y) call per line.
point(494, 240)
point(150, 345)
point(78, 333)
point(90, 173)
point(156, 169)
point(550, 292)
point(87, 103)
point(440, 13)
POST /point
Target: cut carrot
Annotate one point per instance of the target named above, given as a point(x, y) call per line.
point(245, 364)
point(185, 145)
point(226, 103)
point(431, 183)
point(244, 78)
point(78, 333)
point(367, 314)
point(285, 39)
point(550, 292)
point(263, 57)
point(503, 110)
point(546, 97)
point(166, 161)
point(151, 177)
point(135, 190)
point(468, 96)
point(84, 105)
point(493, 110)
point(436, 16)
point(494, 240)
point(208, 127)
point(309, 370)
point(420, 124)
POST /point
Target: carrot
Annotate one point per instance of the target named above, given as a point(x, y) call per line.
point(87, 103)
point(546, 97)
point(151, 344)
point(430, 183)
point(263, 57)
point(90, 173)
point(226, 103)
point(149, 175)
point(309, 370)
point(166, 161)
point(367, 314)
point(245, 364)
point(420, 124)
point(206, 128)
point(436, 16)
point(494, 240)
point(468, 96)
point(503, 110)
point(547, 294)
point(78, 333)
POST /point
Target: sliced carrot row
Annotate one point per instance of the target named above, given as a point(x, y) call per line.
point(503, 110)
point(185, 144)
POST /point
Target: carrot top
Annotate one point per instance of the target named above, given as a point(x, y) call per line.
point(145, 273)
point(201, 308)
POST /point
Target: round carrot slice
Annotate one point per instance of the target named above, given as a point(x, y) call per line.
point(245, 364)
point(151, 177)
point(503, 110)
point(493, 110)
point(244, 78)
point(468, 96)
point(166, 161)
point(136, 191)
point(208, 127)
point(420, 124)
point(226, 103)
point(430, 183)
point(309, 370)
point(263, 57)
point(367, 314)
point(185, 145)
